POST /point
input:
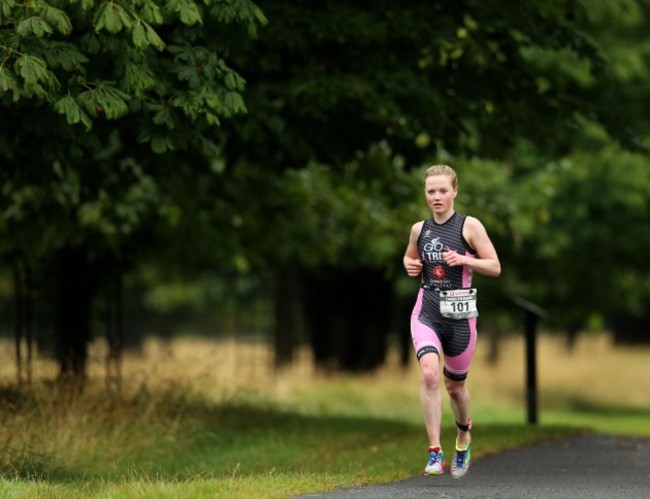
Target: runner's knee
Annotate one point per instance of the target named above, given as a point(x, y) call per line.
point(430, 376)
point(455, 389)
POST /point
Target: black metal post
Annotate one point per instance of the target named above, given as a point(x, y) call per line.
point(531, 314)
point(530, 322)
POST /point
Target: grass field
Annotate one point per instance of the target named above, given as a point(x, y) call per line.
point(200, 418)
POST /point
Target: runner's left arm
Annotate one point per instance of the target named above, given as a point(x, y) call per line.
point(486, 261)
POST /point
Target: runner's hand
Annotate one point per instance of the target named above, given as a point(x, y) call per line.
point(452, 258)
point(413, 266)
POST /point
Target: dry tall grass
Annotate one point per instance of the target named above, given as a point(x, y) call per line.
point(594, 372)
point(163, 381)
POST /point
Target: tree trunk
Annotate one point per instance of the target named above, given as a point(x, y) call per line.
point(495, 334)
point(403, 307)
point(113, 320)
point(19, 307)
point(572, 330)
point(348, 317)
point(23, 302)
point(75, 288)
point(286, 315)
point(630, 329)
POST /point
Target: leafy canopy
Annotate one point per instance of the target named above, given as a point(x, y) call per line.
point(97, 60)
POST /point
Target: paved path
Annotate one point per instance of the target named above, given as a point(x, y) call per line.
point(594, 466)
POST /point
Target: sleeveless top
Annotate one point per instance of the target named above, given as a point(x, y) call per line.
point(432, 241)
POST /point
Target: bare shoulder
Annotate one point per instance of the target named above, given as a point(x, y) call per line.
point(417, 228)
point(476, 235)
point(412, 248)
point(473, 223)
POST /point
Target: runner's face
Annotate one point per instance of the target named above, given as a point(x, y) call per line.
point(439, 194)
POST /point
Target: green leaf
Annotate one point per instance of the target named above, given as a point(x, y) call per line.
point(58, 19)
point(68, 106)
point(5, 9)
point(158, 144)
point(236, 103)
point(90, 42)
point(139, 36)
point(163, 116)
point(85, 4)
point(73, 112)
point(144, 35)
point(187, 10)
point(34, 70)
point(34, 25)
point(65, 55)
point(212, 118)
point(138, 77)
point(8, 83)
point(105, 99)
point(113, 102)
point(90, 214)
point(190, 75)
point(112, 17)
point(125, 18)
point(210, 150)
point(151, 13)
point(230, 81)
point(100, 17)
point(242, 11)
point(153, 38)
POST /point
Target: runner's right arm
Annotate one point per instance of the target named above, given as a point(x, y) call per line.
point(411, 259)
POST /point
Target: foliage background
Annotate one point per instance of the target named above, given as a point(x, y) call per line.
point(211, 166)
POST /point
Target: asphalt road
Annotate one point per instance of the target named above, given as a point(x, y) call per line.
point(594, 466)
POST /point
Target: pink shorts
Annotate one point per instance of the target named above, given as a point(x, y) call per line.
point(455, 339)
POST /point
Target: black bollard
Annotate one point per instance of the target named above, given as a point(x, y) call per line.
point(531, 315)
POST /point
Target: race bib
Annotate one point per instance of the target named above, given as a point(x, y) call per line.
point(458, 303)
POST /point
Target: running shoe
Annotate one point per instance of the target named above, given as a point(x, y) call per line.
point(462, 460)
point(436, 464)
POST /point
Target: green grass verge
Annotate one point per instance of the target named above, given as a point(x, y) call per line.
point(192, 449)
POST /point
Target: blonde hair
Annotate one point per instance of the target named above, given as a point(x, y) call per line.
point(442, 170)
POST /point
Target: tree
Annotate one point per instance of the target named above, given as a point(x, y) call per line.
point(585, 257)
point(103, 89)
point(145, 153)
point(326, 239)
point(327, 85)
point(584, 252)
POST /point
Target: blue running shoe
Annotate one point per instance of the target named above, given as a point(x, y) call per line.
point(436, 464)
point(462, 460)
